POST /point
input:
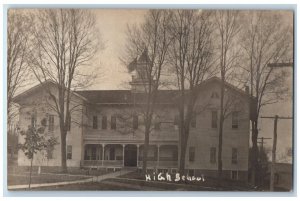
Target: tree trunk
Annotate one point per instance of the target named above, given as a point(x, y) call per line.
point(63, 151)
point(220, 149)
point(220, 145)
point(254, 152)
point(183, 146)
point(146, 145)
point(30, 172)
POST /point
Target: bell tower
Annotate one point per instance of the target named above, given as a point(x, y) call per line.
point(138, 68)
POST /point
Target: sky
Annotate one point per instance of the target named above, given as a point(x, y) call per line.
point(112, 23)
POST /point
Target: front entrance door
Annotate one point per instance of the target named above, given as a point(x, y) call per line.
point(130, 155)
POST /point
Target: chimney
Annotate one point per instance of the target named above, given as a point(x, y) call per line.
point(247, 89)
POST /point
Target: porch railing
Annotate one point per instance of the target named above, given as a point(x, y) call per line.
point(119, 163)
point(99, 163)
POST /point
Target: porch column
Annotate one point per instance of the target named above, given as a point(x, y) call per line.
point(158, 155)
point(137, 154)
point(123, 153)
point(103, 148)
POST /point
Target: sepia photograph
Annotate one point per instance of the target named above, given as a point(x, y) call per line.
point(150, 99)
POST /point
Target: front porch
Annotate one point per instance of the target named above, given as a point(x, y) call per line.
point(129, 155)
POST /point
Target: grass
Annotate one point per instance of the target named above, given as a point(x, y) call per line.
point(19, 179)
point(89, 186)
point(56, 170)
point(19, 175)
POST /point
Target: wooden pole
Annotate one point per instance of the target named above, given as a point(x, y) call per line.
point(273, 154)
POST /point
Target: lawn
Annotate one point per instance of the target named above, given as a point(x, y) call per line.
point(89, 186)
point(56, 170)
point(19, 179)
point(20, 175)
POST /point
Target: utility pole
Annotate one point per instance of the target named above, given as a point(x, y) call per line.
point(263, 162)
point(262, 141)
point(276, 117)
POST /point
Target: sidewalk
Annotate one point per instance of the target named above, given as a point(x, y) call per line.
point(93, 179)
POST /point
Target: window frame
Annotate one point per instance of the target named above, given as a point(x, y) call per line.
point(214, 119)
point(193, 122)
point(50, 123)
point(69, 152)
point(237, 174)
point(135, 122)
point(113, 122)
point(69, 123)
point(234, 156)
point(235, 120)
point(95, 122)
point(213, 155)
point(104, 122)
point(192, 154)
point(33, 120)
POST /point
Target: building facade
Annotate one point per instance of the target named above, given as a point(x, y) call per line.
point(107, 129)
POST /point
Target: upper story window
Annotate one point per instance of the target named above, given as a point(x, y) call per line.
point(33, 120)
point(214, 119)
point(214, 94)
point(213, 155)
point(113, 122)
point(234, 156)
point(104, 122)
point(135, 122)
point(95, 122)
point(157, 123)
point(192, 154)
point(235, 119)
point(51, 123)
point(176, 120)
point(193, 121)
point(50, 152)
point(69, 152)
point(69, 122)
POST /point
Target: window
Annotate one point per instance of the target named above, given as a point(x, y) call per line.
point(234, 175)
point(33, 120)
point(176, 120)
point(214, 119)
point(213, 154)
point(95, 122)
point(234, 156)
point(69, 122)
point(214, 95)
point(104, 122)
point(69, 152)
point(235, 120)
point(49, 153)
point(87, 154)
point(135, 122)
point(51, 123)
point(157, 123)
point(113, 123)
point(193, 121)
point(157, 126)
point(192, 154)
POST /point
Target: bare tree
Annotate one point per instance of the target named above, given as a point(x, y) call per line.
point(65, 42)
point(227, 28)
point(151, 41)
point(266, 39)
point(19, 27)
point(191, 59)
